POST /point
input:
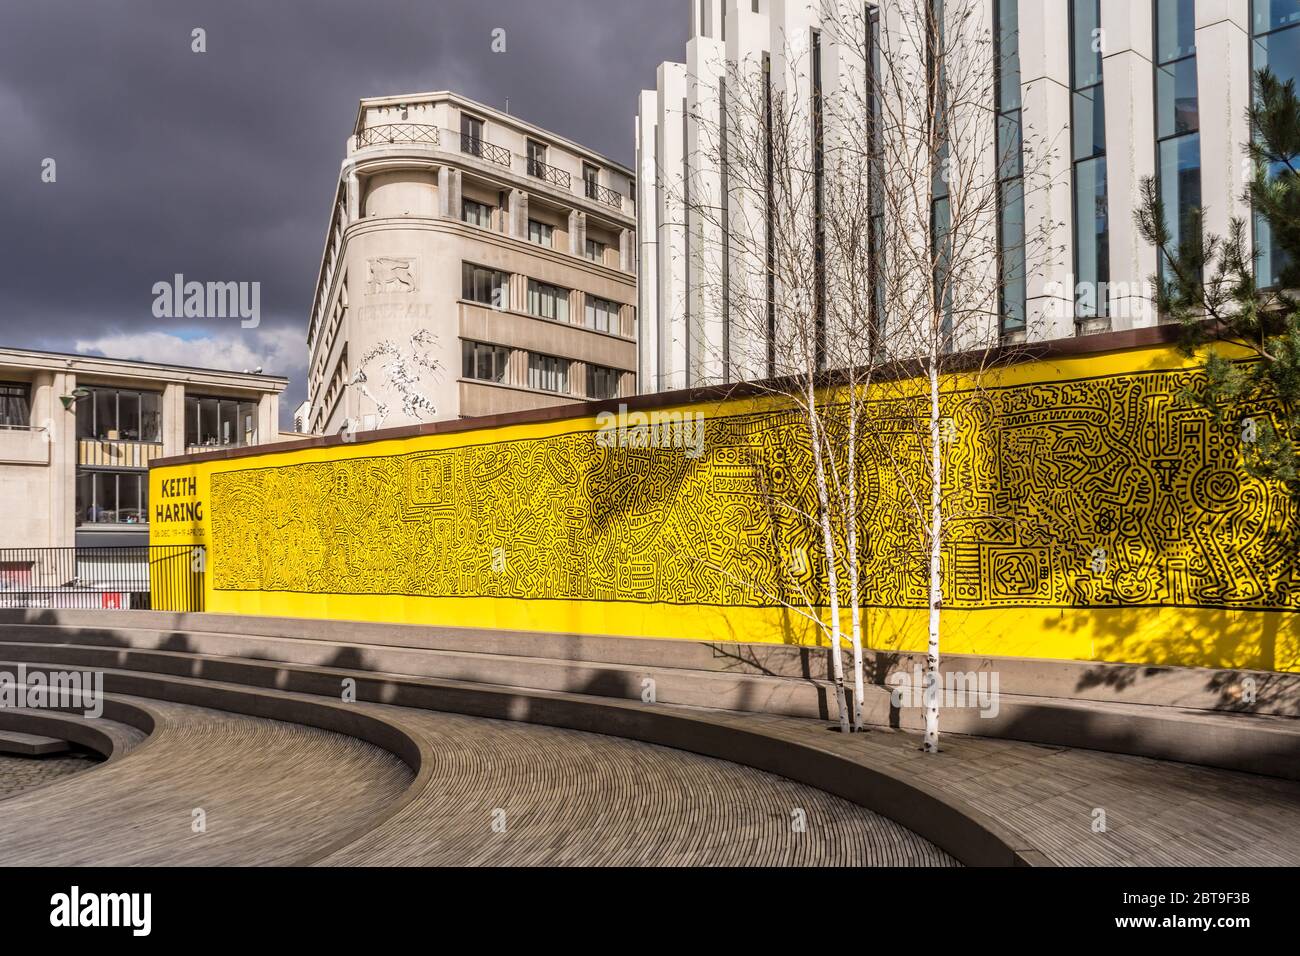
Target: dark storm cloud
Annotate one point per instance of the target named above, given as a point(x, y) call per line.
point(222, 165)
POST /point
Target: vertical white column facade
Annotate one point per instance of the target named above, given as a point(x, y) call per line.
point(1223, 91)
point(705, 72)
point(647, 228)
point(679, 260)
point(1045, 126)
point(1127, 59)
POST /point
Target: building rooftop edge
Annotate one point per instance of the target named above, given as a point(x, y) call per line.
point(253, 379)
point(500, 115)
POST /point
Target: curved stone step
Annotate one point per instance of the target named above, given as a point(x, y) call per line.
point(945, 820)
point(675, 685)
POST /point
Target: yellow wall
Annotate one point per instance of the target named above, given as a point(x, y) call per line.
point(539, 527)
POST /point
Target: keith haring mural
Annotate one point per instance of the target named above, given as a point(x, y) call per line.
point(1094, 492)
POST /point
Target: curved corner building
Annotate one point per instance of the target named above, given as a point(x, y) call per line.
point(475, 265)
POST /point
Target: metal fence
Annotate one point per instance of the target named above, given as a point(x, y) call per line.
point(166, 577)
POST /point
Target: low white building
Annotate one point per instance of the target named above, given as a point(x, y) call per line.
point(77, 434)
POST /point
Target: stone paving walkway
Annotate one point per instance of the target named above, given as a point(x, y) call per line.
point(280, 793)
point(271, 793)
point(565, 797)
point(1157, 813)
point(19, 774)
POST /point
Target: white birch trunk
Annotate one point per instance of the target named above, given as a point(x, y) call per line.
point(851, 523)
point(828, 544)
point(931, 742)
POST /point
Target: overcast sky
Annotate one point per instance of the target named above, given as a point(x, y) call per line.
point(222, 165)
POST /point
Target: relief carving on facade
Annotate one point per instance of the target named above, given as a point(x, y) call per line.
point(390, 274)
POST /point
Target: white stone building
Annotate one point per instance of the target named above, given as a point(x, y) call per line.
point(475, 264)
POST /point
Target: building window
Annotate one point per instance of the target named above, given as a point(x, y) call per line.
point(548, 301)
point(596, 250)
point(536, 158)
point(1011, 191)
point(540, 232)
point(548, 373)
point(218, 422)
point(485, 286)
point(1275, 25)
point(602, 314)
point(1178, 142)
point(15, 405)
point(486, 363)
point(590, 180)
point(1088, 122)
point(118, 414)
point(476, 213)
point(471, 135)
point(112, 497)
point(602, 382)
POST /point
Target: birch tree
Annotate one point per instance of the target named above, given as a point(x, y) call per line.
point(840, 223)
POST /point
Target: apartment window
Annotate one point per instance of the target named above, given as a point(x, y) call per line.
point(476, 213)
point(1178, 142)
point(548, 301)
point(540, 232)
point(602, 382)
point(219, 422)
point(1275, 26)
point(1011, 190)
point(602, 314)
point(1088, 122)
point(118, 414)
point(596, 250)
point(548, 373)
point(536, 158)
point(485, 286)
point(590, 180)
point(471, 135)
point(486, 363)
point(112, 497)
point(15, 405)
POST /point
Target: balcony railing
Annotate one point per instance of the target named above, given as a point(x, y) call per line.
point(398, 133)
point(481, 148)
point(550, 174)
point(603, 194)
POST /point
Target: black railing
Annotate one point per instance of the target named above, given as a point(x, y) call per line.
point(398, 133)
point(166, 577)
point(603, 194)
point(476, 146)
point(556, 177)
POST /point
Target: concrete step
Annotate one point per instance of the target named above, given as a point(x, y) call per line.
point(175, 630)
point(1250, 743)
point(258, 662)
point(792, 749)
point(31, 745)
point(1225, 690)
point(1219, 690)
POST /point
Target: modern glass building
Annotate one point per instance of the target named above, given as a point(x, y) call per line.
point(1091, 98)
